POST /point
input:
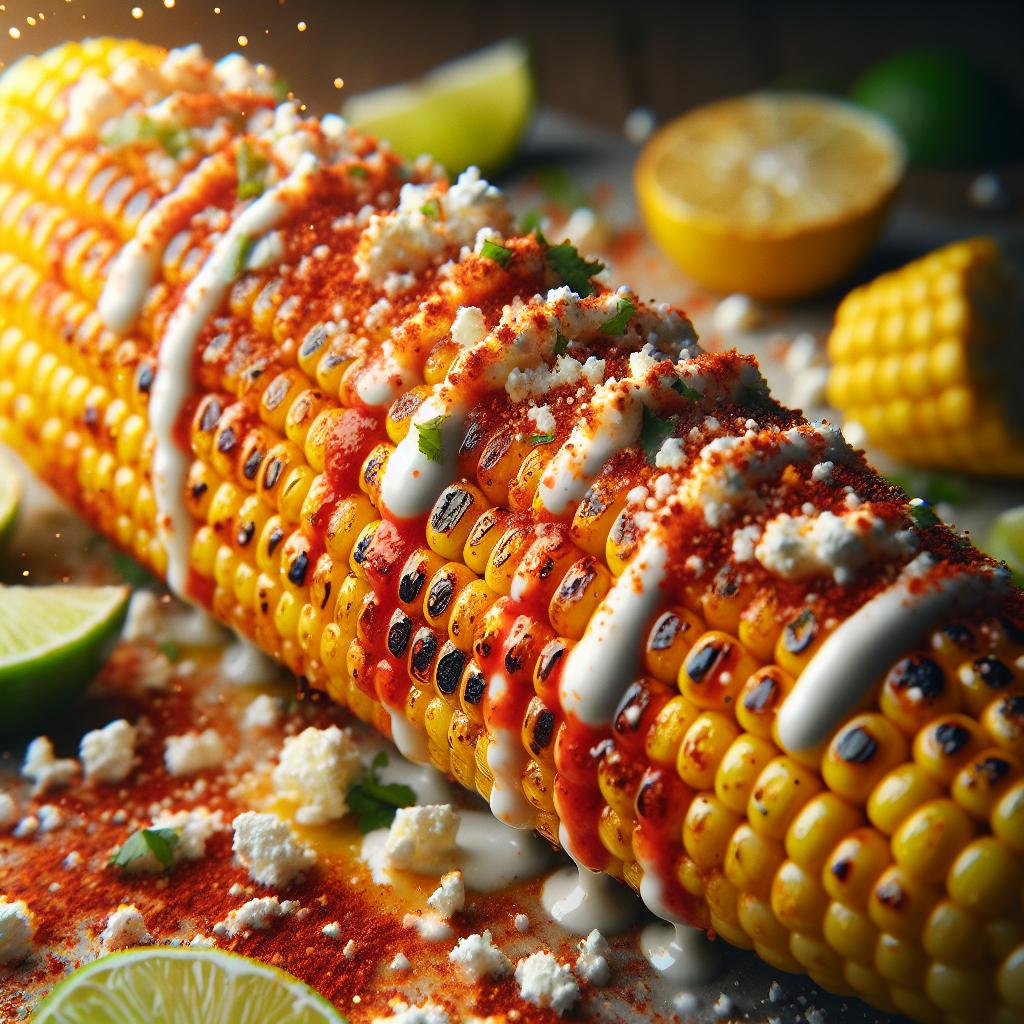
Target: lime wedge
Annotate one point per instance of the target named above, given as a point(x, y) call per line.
point(1006, 540)
point(53, 641)
point(473, 110)
point(10, 498)
point(168, 986)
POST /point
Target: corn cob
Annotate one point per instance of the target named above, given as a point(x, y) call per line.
point(925, 359)
point(536, 536)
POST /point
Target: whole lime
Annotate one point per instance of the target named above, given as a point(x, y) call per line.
point(948, 108)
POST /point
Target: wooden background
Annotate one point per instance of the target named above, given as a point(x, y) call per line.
point(596, 60)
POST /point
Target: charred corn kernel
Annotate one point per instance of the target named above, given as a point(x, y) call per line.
point(1003, 719)
point(452, 519)
point(623, 540)
point(899, 793)
point(670, 638)
point(371, 473)
point(442, 591)
point(945, 745)
point(618, 778)
point(760, 697)
point(860, 754)
point(704, 745)
point(665, 736)
point(483, 535)
point(504, 559)
point(899, 906)
point(468, 610)
point(593, 519)
point(916, 690)
point(983, 679)
point(714, 671)
point(616, 832)
point(852, 868)
point(577, 596)
point(500, 461)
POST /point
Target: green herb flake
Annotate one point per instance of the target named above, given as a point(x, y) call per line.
point(252, 171)
point(160, 842)
point(561, 344)
point(498, 253)
point(357, 171)
point(922, 513)
point(573, 270)
point(541, 438)
point(430, 438)
point(684, 389)
point(654, 432)
point(133, 129)
point(529, 221)
point(375, 802)
point(246, 244)
point(170, 650)
point(431, 209)
point(130, 571)
point(618, 323)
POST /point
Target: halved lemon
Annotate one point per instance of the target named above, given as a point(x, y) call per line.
point(473, 110)
point(777, 195)
point(170, 986)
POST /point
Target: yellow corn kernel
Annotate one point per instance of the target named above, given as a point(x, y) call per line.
point(453, 517)
point(577, 596)
point(703, 747)
point(818, 829)
point(782, 788)
point(707, 830)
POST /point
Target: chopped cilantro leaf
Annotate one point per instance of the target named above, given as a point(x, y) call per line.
point(375, 802)
point(530, 220)
point(617, 324)
point(561, 344)
point(431, 209)
point(571, 267)
point(922, 513)
point(357, 171)
point(246, 243)
point(170, 649)
point(158, 841)
point(430, 438)
point(252, 171)
point(684, 389)
point(541, 438)
point(129, 570)
point(134, 128)
point(496, 252)
point(654, 432)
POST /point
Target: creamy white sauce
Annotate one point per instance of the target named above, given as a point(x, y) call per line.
point(411, 742)
point(173, 383)
point(490, 855)
point(851, 660)
point(604, 663)
point(243, 663)
point(683, 955)
point(581, 900)
point(507, 758)
point(137, 264)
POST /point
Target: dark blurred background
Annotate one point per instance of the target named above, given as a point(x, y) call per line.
point(595, 60)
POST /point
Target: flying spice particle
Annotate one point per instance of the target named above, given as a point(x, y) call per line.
point(243, 40)
point(301, 26)
point(14, 33)
point(339, 83)
point(136, 13)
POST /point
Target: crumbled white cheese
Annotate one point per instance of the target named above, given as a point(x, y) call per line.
point(267, 251)
point(469, 327)
point(539, 380)
point(202, 941)
point(798, 547)
point(50, 818)
point(822, 472)
point(43, 769)
point(722, 1006)
point(671, 454)
point(108, 754)
point(194, 828)
point(263, 712)
point(400, 963)
point(592, 963)
point(72, 860)
point(17, 927)
point(545, 982)
point(737, 312)
point(450, 896)
point(315, 770)
point(269, 848)
point(27, 826)
point(91, 102)
point(744, 540)
point(332, 930)
point(522, 923)
point(125, 928)
point(422, 838)
point(431, 927)
point(476, 957)
point(193, 752)
point(144, 617)
point(349, 949)
point(593, 370)
point(425, 1013)
point(543, 419)
point(8, 810)
point(255, 916)
point(685, 1003)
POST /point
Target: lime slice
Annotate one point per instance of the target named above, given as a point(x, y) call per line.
point(1006, 540)
point(947, 108)
point(473, 110)
point(168, 986)
point(10, 498)
point(53, 641)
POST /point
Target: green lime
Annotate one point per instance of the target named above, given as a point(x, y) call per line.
point(53, 641)
point(473, 110)
point(169, 986)
point(947, 108)
point(10, 499)
point(1006, 540)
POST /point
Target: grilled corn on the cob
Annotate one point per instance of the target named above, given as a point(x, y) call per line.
point(927, 358)
point(519, 522)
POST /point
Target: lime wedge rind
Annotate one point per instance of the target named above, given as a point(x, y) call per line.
point(161, 986)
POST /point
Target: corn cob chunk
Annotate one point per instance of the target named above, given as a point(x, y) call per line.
point(924, 359)
point(883, 861)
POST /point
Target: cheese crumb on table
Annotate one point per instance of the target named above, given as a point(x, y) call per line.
point(17, 927)
point(545, 982)
point(592, 964)
point(43, 769)
point(194, 828)
point(255, 916)
point(426, 1013)
point(316, 769)
point(332, 930)
point(8, 810)
point(450, 896)
point(125, 928)
point(270, 850)
point(737, 312)
point(476, 957)
point(422, 838)
point(193, 752)
point(108, 754)
point(263, 712)
point(522, 923)
point(400, 963)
